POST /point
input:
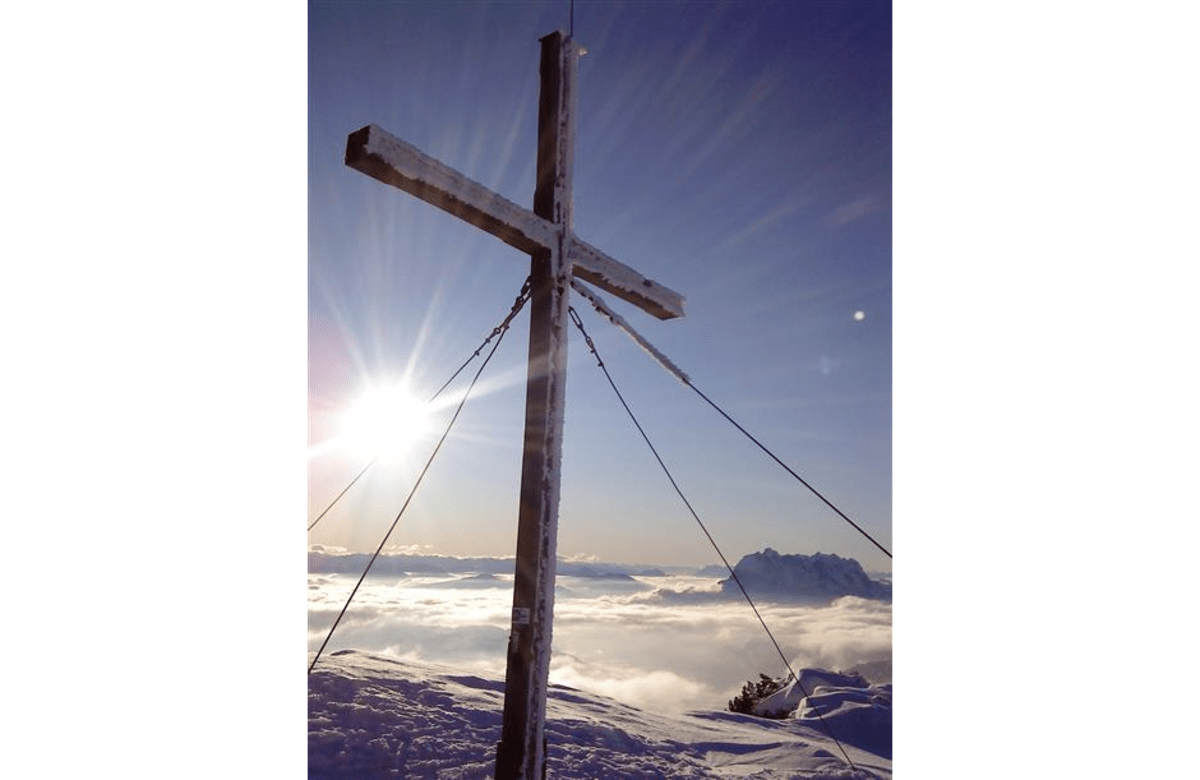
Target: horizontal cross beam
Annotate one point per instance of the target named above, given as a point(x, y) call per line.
point(379, 154)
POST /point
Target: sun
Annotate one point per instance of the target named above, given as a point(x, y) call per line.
point(385, 420)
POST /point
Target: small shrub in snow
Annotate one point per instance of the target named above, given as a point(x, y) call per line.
point(754, 692)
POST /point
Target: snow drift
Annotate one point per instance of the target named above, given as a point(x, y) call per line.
point(844, 705)
point(372, 716)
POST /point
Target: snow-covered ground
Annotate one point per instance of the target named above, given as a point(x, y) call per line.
point(643, 666)
point(376, 716)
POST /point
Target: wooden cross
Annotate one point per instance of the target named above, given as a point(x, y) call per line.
point(556, 257)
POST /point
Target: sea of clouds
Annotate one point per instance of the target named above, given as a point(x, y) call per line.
point(654, 642)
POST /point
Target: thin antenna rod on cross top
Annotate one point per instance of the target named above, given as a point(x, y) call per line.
point(571, 30)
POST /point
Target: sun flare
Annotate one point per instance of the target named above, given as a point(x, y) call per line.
point(385, 420)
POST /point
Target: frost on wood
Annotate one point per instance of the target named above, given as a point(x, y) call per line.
point(595, 267)
point(617, 320)
point(377, 153)
point(381, 155)
point(565, 134)
point(521, 751)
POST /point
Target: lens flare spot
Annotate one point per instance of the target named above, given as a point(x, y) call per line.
point(385, 420)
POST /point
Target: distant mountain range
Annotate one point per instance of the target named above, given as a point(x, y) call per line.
point(401, 565)
point(819, 576)
point(764, 574)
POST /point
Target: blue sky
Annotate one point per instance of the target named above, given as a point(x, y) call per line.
point(737, 153)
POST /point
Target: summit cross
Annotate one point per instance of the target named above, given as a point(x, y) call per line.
point(556, 257)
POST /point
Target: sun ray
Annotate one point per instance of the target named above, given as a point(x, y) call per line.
point(384, 419)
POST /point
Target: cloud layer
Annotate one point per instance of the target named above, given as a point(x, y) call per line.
point(635, 640)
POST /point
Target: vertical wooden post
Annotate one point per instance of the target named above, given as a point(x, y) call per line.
point(522, 749)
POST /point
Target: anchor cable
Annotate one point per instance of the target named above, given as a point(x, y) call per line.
point(788, 469)
point(501, 330)
point(600, 306)
point(370, 463)
point(733, 574)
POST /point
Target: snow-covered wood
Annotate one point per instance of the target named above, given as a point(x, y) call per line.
point(377, 153)
point(521, 754)
point(616, 319)
point(597, 268)
point(381, 155)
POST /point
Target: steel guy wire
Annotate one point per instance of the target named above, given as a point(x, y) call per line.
point(733, 574)
point(516, 307)
point(417, 484)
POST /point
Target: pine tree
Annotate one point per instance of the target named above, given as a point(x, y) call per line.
point(754, 692)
